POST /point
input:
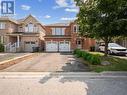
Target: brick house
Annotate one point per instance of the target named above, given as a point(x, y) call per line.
point(21, 35)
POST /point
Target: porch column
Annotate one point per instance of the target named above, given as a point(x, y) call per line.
point(18, 41)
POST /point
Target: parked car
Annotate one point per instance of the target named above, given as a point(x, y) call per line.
point(114, 48)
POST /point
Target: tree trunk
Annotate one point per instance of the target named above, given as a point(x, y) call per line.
point(106, 48)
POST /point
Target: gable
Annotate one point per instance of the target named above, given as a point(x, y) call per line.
point(30, 19)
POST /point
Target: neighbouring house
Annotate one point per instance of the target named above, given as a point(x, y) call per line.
point(122, 41)
point(24, 34)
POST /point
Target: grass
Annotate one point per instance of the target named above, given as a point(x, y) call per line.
point(101, 54)
point(117, 64)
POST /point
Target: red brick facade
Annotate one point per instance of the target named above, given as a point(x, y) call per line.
point(70, 36)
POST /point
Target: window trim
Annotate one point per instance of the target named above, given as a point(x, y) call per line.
point(58, 31)
point(2, 25)
point(77, 28)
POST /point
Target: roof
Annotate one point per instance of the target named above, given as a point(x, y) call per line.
point(59, 24)
point(20, 20)
point(4, 18)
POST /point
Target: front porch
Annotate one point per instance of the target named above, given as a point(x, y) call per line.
point(13, 43)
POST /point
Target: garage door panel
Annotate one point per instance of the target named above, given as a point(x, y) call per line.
point(51, 46)
point(64, 46)
point(29, 46)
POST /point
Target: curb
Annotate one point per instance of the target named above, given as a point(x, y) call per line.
point(8, 63)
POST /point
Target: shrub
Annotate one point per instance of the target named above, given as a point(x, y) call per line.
point(79, 54)
point(93, 59)
point(1, 47)
point(76, 50)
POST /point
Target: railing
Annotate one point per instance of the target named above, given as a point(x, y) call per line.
point(34, 30)
point(7, 47)
point(12, 47)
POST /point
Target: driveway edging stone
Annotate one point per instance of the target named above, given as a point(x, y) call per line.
point(10, 62)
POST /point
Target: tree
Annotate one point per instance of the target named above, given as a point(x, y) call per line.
point(102, 19)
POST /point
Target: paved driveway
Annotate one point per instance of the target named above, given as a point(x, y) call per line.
point(49, 62)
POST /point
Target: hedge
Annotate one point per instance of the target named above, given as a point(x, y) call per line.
point(91, 58)
point(1, 47)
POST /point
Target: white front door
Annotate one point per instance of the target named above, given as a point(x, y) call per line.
point(52, 46)
point(29, 46)
point(64, 46)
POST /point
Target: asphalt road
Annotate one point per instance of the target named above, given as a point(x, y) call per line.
point(62, 84)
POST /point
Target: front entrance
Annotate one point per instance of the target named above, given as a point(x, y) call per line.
point(79, 44)
point(55, 46)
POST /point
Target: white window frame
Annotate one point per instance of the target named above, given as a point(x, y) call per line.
point(58, 31)
point(77, 28)
point(30, 27)
point(2, 25)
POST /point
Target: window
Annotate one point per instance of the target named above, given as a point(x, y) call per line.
point(76, 28)
point(78, 42)
point(58, 31)
point(29, 28)
point(32, 42)
point(26, 28)
point(20, 29)
point(35, 28)
point(2, 25)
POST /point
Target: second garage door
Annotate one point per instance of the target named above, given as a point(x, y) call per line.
point(51, 46)
point(64, 46)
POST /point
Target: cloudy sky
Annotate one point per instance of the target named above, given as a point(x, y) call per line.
point(46, 11)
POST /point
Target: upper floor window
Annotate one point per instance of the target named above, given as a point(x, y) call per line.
point(2, 25)
point(58, 31)
point(20, 29)
point(76, 28)
point(31, 28)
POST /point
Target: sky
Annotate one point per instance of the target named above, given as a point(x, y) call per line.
point(46, 11)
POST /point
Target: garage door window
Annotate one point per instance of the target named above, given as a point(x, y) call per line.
point(27, 42)
point(32, 42)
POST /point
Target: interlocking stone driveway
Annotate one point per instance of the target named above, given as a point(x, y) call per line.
point(47, 62)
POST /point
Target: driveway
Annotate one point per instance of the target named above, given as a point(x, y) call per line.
point(49, 62)
point(8, 56)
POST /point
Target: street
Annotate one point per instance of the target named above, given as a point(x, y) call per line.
point(47, 83)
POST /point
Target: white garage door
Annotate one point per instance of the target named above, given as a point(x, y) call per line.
point(51, 46)
point(64, 46)
point(29, 46)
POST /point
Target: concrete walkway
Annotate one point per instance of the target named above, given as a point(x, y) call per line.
point(49, 62)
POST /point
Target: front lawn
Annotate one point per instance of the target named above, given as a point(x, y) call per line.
point(117, 64)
